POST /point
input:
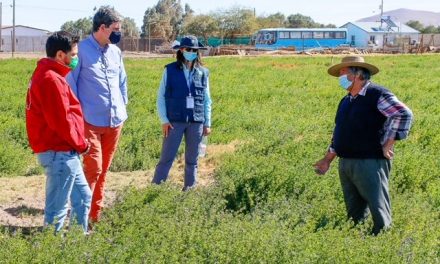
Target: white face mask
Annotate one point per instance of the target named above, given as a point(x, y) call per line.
point(344, 82)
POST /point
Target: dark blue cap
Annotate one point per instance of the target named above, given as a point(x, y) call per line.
point(189, 42)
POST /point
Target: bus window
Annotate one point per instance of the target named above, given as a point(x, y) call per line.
point(307, 35)
point(295, 35)
point(329, 35)
point(340, 35)
point(318, 35)
point(284, 35)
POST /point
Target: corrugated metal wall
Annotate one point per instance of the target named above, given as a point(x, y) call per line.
point(25, 44)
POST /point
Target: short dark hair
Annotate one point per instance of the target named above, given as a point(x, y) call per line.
point(60, 40)
point(105, 15)
point(362, 72)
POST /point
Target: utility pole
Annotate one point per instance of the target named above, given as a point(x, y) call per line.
point(13, 28)
point(1, 25)
point(381, 14)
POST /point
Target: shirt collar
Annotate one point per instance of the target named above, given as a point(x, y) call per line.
point(364, 89)
point(362, 92)
point(194, 69)
point(95, 44)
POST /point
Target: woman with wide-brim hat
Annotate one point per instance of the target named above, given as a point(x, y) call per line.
point(184, 107)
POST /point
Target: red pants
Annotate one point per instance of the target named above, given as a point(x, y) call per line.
point(97, 161)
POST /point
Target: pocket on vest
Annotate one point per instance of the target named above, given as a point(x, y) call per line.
point(174, 108)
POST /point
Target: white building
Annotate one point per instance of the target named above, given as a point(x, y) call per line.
point(378, 34)
point(27, 39)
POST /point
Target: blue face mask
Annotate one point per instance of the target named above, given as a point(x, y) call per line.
point(190, 56)
point(115, 37)
point(344, 82)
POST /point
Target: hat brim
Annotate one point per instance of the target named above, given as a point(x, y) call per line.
point(334, 70)
point(184, 46)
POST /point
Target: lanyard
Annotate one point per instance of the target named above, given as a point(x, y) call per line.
point(189, 80)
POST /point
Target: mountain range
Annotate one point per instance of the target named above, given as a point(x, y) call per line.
point(404, 15)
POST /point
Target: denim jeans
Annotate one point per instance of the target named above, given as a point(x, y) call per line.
point(65, 178)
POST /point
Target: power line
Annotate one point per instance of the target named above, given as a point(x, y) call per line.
point(53, 9)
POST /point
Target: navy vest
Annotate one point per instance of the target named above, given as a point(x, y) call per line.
point(176, 92)
point(359, 126)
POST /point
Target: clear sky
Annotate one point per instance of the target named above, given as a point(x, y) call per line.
point(51, 14)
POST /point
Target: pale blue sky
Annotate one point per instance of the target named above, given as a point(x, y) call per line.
point(51, 14)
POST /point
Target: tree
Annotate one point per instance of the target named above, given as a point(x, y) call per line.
point(201, 25)
point(301, 21)
point(272, 21)
point(163, 20)
point(430, 30)
point(236, 21)
point(129, 28)
point(81, 27)
point(415, 25)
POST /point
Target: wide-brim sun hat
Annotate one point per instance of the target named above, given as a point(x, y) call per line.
point(188, 42)
point(352, 61)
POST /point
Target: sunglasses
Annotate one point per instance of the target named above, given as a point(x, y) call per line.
point(190, 50)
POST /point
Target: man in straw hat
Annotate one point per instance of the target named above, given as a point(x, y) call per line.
point(368, 121)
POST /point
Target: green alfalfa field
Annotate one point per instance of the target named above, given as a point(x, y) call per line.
point(265, 204)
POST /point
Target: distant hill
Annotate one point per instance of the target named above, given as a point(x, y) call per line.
point(404, 15)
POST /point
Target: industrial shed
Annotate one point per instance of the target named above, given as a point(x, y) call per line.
point(27, 39)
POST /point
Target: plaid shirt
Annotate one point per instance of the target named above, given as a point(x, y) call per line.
point(399, 116)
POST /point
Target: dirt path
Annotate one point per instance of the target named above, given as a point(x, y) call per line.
point(22, 198)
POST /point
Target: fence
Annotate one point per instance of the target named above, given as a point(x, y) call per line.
point(430, 39)
point(215, 42)
point(141, 44)
point(146, 45)
point(38, 44)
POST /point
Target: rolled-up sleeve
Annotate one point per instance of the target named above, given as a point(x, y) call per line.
point(399, 117)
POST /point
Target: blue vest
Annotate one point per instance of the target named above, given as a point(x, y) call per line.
point(176, 93)
point(359, 126)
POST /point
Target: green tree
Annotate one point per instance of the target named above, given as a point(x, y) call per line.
point(81, 27)
point(301, 21)
point(415, 25)
point(430, 30)
point(272, 21)
point(164, 20)
point(236, 21)
point(129, 28)
point(201, 25)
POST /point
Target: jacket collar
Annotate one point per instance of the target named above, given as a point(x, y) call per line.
point(52, 64)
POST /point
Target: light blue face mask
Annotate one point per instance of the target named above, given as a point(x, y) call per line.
point(344, 82)
point(190, 56)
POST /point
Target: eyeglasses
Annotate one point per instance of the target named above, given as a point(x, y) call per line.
point(190, 50)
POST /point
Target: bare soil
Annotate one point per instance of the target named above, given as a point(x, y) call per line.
point(22, 198)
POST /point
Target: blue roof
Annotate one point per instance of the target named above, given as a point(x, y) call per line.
point(375, 27)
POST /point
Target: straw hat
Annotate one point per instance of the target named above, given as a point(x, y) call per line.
point(352, 61)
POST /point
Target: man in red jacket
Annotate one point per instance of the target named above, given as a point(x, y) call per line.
point(55, 128)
